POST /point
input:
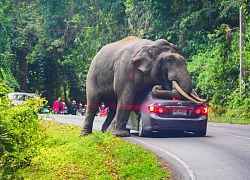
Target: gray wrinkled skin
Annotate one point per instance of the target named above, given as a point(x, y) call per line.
point(121, 70)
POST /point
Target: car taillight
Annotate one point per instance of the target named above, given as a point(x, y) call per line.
point(154, 108)
point(176, 99)
point(203, 110)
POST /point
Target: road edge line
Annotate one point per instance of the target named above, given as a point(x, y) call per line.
point(184, 164)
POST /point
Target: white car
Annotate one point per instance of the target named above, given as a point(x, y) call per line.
point(18, 98)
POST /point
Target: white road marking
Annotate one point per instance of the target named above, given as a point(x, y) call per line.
point(243, 137)
point(185, 165)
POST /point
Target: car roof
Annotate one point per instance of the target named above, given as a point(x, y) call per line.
point(18, 98)
point(14, 95)
point(150, 97)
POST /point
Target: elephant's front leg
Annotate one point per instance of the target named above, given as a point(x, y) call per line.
point(88, 122)
point(124, 106)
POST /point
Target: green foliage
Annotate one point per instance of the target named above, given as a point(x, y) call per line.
point(6, 75)
point(20, 134)
point(232, 116)
point(97, 156)
point(47, 45)
point(215, 72)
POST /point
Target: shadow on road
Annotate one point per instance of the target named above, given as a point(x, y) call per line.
point(174, 134)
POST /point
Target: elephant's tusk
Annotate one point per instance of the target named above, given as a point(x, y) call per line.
point(198, 99)
point(178, 88)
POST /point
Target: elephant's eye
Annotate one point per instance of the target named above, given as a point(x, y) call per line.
point(169, 59)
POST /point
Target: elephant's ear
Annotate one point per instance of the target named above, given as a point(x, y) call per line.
point(144, 58)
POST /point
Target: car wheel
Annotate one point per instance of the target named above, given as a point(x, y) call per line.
point(141, 131)
point(200, 133)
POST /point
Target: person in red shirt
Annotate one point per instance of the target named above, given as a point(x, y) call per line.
point(103, 110)
point(57, 107)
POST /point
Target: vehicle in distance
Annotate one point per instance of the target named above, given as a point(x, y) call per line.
point(18, 98)
point(155, 114)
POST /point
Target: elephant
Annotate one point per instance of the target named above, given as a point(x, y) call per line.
point(122, 70)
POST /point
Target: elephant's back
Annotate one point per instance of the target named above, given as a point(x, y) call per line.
point(127, 40)
point(111, 58)
point(121, 50)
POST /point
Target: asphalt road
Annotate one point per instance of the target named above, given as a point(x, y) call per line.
point(223, 154)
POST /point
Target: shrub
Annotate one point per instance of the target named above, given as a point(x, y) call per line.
point(20, 134)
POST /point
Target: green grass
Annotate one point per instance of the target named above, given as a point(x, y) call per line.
point(102, 156)
point(229, 118)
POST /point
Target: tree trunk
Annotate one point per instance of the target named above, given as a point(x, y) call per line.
point(24, 70)
point(65, 90)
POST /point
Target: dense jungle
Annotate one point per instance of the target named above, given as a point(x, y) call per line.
point(46, 46)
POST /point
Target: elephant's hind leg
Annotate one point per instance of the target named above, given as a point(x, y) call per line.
point(109, 119)
point(125, 97)
point(118, 124)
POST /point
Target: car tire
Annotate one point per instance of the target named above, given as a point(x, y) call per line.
point(200, 133)
point(141, 131)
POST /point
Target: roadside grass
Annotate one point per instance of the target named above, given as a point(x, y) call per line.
point(240, 117)
point(103, 156)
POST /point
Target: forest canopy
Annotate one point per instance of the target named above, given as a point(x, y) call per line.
point(47, 45)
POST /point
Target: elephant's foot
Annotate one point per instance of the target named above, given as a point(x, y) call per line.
point(85, 133)
point(124, 133)
point(104, 128)
point(120, 133)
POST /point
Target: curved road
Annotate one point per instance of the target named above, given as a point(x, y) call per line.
point(223, 154)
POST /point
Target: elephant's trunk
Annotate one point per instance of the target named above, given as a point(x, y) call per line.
point(159, 92)
point(179, 93)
